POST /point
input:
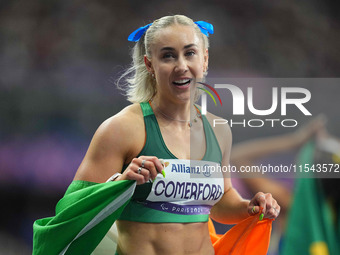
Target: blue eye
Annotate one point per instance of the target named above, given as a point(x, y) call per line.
point(168, 55)
point(190, 53)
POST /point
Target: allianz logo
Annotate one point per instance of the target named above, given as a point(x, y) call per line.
point(183, 168)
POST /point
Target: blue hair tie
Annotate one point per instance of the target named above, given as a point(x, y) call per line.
point(205, 27)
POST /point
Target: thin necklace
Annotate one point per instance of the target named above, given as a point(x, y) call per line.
point(188, 121)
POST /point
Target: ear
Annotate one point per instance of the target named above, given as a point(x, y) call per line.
point(148, 64)
point(206, 60)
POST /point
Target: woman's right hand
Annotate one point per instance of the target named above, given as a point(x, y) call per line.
point(142, 169)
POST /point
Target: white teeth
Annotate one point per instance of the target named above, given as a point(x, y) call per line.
point(180, 82)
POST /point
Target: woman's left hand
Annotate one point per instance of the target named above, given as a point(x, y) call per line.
point(269, 205)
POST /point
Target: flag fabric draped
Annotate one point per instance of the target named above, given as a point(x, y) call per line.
point(83, 217)
point(87, 211)
point(311, 227)
point(249, 237)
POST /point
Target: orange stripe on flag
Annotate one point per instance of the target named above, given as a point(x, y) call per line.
point(249, 237)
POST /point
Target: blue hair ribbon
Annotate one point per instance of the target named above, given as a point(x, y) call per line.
point(205, 27)
point(137, 34)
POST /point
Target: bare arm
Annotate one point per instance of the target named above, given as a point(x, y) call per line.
point(117, 142)
point(232, 208)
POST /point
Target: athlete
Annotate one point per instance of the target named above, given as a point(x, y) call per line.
point(169, 57)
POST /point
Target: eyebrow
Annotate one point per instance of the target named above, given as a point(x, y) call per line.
point(185, 47)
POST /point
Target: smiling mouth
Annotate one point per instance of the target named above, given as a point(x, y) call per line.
point(182, 82)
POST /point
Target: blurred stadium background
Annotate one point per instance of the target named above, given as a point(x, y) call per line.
point(59, 61)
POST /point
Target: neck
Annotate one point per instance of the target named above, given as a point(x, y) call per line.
point(184, 111)
point(184, 115)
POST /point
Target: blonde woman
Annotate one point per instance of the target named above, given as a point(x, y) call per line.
point(171, 204)
point(163, 122)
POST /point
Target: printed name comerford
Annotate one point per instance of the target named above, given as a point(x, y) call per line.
point(188, 190)
point(239, 106)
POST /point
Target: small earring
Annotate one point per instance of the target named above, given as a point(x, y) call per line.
point(153, 75)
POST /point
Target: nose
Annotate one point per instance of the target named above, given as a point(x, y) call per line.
point(181, 65)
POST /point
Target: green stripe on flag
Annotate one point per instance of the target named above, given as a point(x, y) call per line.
point(83, 217)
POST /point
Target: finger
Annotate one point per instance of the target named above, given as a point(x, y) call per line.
point(134, 175)
point(270, 202)
point(253, 209)
point(256, 204)
point(155, 160)
point(271, 214)
point(145, 164)
point(150, 166)
point(261, 201)
point(144, 172)
point(275, 210)
point(272, 207)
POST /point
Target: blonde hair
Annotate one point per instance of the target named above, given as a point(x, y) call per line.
point(139, 85)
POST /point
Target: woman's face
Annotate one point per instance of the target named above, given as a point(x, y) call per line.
point(177, 60)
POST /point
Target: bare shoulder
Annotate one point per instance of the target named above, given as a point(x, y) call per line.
point(126, 121)
point(124, 130)
point(117, 140)
point(221, 129)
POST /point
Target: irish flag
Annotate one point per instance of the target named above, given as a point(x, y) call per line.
point(83, 217)
point(87, 212)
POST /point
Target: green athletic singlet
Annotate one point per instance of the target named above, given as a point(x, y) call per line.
point(186, 194)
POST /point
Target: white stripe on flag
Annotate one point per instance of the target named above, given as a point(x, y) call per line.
point(110, 208)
